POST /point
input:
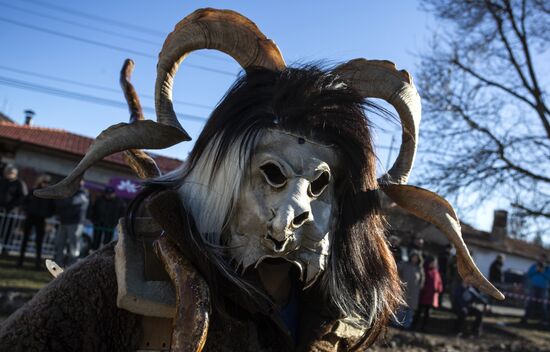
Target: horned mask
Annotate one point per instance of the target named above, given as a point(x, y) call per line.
point(287, 204)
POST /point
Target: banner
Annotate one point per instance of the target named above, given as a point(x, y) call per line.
point(125, 188)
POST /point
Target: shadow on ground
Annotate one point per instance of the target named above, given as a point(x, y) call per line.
point(500, 333)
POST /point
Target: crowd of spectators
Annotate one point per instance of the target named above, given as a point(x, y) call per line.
point(72, 213)
point(428, 278)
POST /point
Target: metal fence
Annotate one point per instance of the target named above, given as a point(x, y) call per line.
point(11, 235)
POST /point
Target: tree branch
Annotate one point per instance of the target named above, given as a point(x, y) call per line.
point(532, 212)
point(500, 147)
point(508, 47)
point(489, 82)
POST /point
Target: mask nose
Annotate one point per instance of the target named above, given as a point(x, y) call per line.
point(292, 213)
point(301, 219)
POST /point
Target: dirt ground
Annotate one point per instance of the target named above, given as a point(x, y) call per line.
point(500, 333)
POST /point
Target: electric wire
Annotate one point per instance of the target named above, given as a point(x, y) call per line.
point(101, 30)
point(108, 46)
point(96, 18)
point(93, 86)
point(78, 24)
point(6, 81)
point(108, 102)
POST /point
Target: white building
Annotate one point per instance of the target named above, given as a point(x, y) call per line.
point(485, 246)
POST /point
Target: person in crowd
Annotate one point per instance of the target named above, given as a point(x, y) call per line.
point(417, 245)
point(72, 214)
point(12, 193)
point(36, 211)
point(538, 282)
point(464, 297)
point(429, 295)
point(443, 261)
point(12, 189)
point(106, 212)
point(412, 275)
point(495, 270)
point(395, 248)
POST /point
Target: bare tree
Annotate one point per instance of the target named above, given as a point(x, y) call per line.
point(484, 88)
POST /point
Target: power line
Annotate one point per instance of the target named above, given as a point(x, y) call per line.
point(96, 18)
point(93, 86)
point(78, 24)
point(5, 81)
point(82, 97)
point(105, 45)
point(101, 30)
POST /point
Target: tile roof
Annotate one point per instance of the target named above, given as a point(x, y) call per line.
point(4, 117)
point(506, 245)
point(64, 141)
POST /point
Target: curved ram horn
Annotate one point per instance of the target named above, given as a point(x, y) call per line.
point(130, 94)
point(143, 165)
point(381, 79)
point(117, 138)
point(222, 30)
point(138, 134)
point(192, 298)
point(434, 209)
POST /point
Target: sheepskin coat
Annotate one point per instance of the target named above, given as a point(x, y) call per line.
point(77, 311)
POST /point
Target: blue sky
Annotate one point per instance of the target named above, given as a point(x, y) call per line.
point(304, 31)
point(36, 44)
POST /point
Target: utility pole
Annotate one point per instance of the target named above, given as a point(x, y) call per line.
point(390, 152)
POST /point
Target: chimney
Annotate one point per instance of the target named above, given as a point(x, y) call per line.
point(500, 225)
point(29, 114)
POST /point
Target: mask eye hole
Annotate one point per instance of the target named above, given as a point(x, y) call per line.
point(273, 174)
point(317, 186)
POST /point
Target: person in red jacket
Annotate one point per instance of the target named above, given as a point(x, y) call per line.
point(429, 295)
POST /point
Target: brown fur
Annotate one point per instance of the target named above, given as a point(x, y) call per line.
point(76, 312)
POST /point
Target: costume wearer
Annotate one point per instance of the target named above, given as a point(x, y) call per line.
point(269, 238)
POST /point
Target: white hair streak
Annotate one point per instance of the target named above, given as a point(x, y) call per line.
point(209, 193)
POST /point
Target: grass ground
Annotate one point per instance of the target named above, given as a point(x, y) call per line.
point(25, 278)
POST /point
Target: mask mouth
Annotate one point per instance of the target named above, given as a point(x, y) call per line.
point(273, 261)
point(278, 246)
point(278, 260)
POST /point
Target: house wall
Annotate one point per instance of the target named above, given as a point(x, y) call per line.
point(484, 257)
point(60, 164)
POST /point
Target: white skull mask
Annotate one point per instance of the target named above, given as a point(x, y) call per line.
point(286, 206)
